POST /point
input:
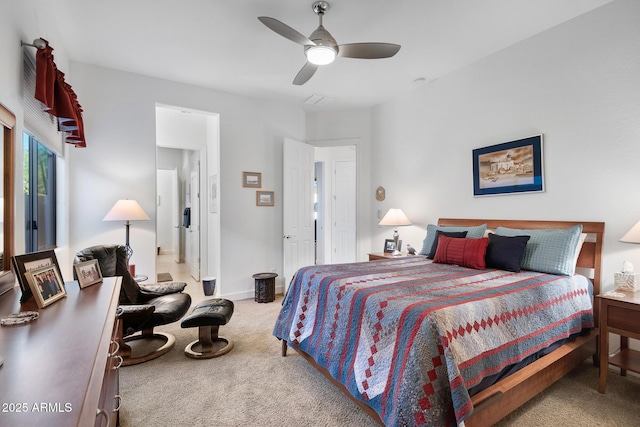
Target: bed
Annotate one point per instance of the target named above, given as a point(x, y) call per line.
point(442, 341)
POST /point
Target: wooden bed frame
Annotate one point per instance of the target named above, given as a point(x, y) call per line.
point(497, 401)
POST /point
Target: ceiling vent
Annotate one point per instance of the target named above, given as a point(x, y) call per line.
point(318, 100)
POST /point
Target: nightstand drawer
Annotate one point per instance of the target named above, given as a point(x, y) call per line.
point(623, 318)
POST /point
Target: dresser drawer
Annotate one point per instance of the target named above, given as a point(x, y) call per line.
point(623, 318)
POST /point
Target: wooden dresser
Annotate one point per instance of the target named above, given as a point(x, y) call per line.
point(62, 369)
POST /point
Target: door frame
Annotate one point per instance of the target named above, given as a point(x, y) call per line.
point(363, 203)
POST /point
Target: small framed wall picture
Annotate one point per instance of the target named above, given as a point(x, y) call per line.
point(252, 179)
point(88, 273)
point(264, 198)
point(46, 285)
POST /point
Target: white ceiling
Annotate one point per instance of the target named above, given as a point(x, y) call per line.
point(220, 44)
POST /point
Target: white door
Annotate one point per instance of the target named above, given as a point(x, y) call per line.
point(343, 236)
point(176, 215)
point(167, 219)
point(298, 224)
point(195, 223)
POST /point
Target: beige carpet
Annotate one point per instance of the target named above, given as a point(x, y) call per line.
point(254, 386)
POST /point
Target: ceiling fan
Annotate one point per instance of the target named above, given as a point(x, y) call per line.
point(321, 48)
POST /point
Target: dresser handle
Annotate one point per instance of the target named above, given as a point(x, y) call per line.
point(119, 362)
point(119, 398)
point(103, 412)
point(116, 350)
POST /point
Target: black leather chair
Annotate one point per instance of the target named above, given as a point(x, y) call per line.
point(142, 307)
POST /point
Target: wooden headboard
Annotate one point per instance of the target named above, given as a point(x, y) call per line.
point(590, 258)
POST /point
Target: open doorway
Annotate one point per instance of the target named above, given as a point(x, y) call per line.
point(335, 204)
point(186, 154)
point(319, 207)
point(177, 212)
point(167, 211)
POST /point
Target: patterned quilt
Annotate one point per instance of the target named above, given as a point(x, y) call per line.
point(409, 337)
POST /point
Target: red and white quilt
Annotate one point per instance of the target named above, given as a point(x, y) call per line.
point(409, 337)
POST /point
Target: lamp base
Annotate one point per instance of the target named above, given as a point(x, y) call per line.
point(396, 239)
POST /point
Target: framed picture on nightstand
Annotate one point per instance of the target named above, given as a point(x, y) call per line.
point(390, 245)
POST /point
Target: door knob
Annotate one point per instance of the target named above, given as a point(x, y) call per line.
point(288, 236)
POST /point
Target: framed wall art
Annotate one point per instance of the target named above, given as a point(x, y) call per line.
point(252, 179)
point(88, 273)
point(46, 285)
point(27, 262)
point(264, 198)
point(507, 168)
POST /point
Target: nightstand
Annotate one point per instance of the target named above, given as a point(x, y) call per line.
point(384, 255)
point(619, 316)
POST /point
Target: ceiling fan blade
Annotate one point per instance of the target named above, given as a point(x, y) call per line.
point(305, 73)
point(285, 31)
point(368, 50)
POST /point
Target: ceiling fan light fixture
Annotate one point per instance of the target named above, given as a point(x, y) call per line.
point(320, 55)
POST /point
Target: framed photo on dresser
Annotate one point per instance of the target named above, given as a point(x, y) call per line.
point(88, 273)
point(32, 261)
point(46, 285)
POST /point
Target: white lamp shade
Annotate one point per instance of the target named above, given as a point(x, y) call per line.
point(633, 235)
point(395, 218)
point(126, 210)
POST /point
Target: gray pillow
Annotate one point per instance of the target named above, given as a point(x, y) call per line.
point(472, 233)
point(548, 251)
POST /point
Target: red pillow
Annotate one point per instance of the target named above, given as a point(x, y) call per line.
point(461, 251)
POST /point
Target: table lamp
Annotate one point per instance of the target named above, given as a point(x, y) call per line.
point(627, 279)
point(395, 218)
point(126, 210)
point(633, 235)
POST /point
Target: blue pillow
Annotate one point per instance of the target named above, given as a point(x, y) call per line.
point(548, 251)
point(472, 233)
point(506, 252)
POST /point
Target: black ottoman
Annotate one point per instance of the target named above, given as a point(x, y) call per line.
point(208, 316)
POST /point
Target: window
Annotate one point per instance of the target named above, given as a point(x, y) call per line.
point(7, 125)
point(39, 195)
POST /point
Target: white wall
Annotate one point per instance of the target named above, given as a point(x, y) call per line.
point(577, 84)
point(13, 30)
point(120, 162)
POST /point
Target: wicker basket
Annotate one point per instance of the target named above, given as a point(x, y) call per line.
point(265, 287)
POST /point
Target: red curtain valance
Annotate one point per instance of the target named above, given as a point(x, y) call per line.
point(58, 96)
